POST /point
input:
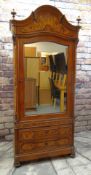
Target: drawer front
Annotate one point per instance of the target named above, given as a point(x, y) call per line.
point(43, 146)
point(44, 134)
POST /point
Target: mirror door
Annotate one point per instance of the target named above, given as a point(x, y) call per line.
point(45, 71)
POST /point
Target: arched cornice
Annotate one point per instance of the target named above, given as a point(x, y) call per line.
point(48, 19)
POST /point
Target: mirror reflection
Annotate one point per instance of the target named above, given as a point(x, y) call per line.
point(45, 66)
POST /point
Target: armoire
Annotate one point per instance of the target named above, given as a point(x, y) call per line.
point(47, 132)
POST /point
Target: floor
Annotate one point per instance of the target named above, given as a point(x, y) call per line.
point(44, 109)
point(80, 165)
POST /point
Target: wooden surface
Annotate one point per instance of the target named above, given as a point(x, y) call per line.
point(29, 52)
point(62, 86)
point(46, 135)
point(30, 93)
point(45, 96)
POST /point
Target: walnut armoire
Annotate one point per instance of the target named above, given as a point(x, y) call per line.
point(52, 134)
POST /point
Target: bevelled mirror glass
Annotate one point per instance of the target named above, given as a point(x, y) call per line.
point(45, 70)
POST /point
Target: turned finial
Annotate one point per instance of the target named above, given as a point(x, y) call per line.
point(13, 13)
point(78, 20)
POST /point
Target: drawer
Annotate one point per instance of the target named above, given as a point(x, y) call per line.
point(43, 146)
point(47, 133)
point(37, 135)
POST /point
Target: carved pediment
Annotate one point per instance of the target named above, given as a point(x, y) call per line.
point(43, 23)
point(45, 19)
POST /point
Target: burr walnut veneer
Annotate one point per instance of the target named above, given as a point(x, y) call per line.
point(43, 135)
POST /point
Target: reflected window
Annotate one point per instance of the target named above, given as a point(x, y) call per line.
point(45, 66)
